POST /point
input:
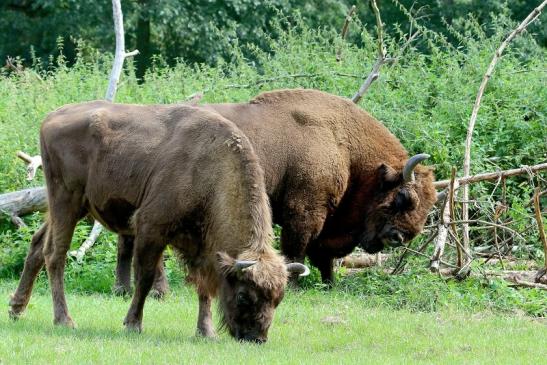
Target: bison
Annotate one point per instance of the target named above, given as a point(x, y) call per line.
point(157, 175)
point(336, 177)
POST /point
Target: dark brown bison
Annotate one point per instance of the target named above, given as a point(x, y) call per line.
point(336, 177)
point(162, 174)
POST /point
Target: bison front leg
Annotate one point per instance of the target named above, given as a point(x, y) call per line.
point(33, 264)
point(324, 262)
point(299, 228)
point(148, 252)
point(205, 319)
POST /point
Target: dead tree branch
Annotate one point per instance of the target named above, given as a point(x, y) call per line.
point(33, 163)
point(467, 155)
point(382, 55)
point(344, 32)
point(381, 60)
point(120, 54)
point(492, 175)
point(119, 57)
point(442, 227)
point(90, 241)
point(539, 221)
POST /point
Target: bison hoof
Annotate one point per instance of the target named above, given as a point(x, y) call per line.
point(14, 314)
point(65, 322)
point(157, 293)
point(206, 333)
point(121, 290)
point(133, 326)
point(16, 310)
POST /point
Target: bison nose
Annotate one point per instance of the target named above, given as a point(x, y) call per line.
point(253, 339)
point(396, 239)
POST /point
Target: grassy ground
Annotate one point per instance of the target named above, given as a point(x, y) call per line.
point(310, 327)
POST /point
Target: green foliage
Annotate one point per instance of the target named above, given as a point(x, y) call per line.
point(419, 290)
point(207, 30)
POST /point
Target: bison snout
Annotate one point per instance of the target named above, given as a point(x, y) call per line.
point(253, 339)
point(393, 238)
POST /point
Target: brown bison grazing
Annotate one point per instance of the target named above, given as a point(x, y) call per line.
point(158, 175)
point(336, 177)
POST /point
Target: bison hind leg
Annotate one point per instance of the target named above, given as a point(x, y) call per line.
point(33, 264)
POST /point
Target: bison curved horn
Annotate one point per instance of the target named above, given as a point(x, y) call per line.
point(297, 267)
point(243, 264)
point(408, 170)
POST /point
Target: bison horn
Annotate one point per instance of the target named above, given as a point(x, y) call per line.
point(408, 170)
point(297, 267)
point(243, 264)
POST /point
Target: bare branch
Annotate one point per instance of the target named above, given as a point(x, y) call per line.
point(492, 175)
point(381, 60)
point(345, 31)
point(120, 54)
point(467, 155)
point(34, 163)
point(539, 221)
point(17, 221)
point(90, 241)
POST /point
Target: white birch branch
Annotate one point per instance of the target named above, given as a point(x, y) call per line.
point(33, 163)
point(90, 241)
point(120, 54)
point(467, 156)
point(119, 57)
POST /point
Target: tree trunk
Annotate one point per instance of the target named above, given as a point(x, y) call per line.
point(143, 40)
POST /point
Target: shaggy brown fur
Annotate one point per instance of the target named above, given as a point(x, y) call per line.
point(333, 174)
point(157, 175)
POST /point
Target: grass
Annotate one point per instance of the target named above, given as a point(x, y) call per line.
point(321, 327)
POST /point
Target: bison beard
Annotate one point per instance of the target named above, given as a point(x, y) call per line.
point(158, 175)
point(336, 177)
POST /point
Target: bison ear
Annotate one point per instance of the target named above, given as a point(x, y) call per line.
point(388, 177)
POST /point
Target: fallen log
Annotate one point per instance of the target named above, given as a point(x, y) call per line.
point(24, 202)
point(363, 260)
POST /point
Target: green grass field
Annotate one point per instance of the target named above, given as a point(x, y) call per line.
point(318, 327)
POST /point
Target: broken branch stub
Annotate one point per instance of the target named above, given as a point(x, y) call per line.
point(33, 163)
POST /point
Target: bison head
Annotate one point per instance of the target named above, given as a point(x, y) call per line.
point(399, 208)
point(250, 291)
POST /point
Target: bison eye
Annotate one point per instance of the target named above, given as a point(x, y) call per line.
point(242, 299)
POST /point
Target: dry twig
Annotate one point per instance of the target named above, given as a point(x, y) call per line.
point(345, 31)
point(492, 175)
point(33, 163)
point(381, 60)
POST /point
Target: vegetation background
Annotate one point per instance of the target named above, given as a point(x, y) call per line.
point(231, 51)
